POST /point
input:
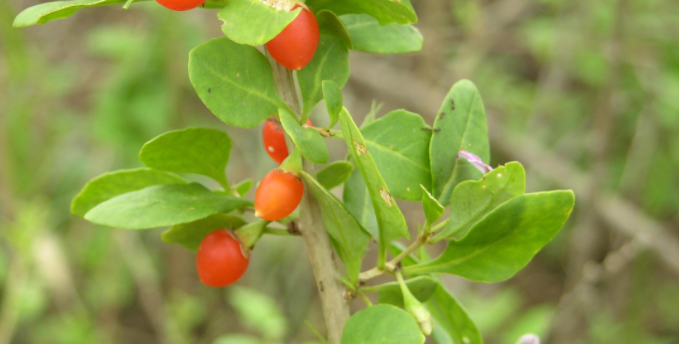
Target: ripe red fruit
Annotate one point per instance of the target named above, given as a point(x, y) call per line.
point(220, 260)
point(274, 140)
point(180, 5)
point(296, 45)
point(277, 196)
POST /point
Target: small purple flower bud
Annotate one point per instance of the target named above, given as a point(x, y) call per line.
point(529, 339)
point(475, 161)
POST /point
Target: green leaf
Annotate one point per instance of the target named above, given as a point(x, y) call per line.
point(112, 184)
point(191, 234)
point(505, 240)
point(472, 199)
point(368, 35)
point(422, 288)
point(330, 24)
point(348, 237)
point(234, 81)
point(243, 187)
point(382, 324)
point(452, 319)
point(331, 62)
point(357, 200)
point(333, 101)
point(46, 12)
point(385, 11)
point(433, 210)
point(253, 22)
point(334, 174)
point(390, 220)
point(163, 205)
point(193, 150)
point(399, 143)
point(307, 140)
point(461, 125)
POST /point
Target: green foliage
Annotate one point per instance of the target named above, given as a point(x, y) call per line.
point(234, 81)
point(331, 62)
point(330, 24)
point(46, 12)
point(243, 187)
point(385, 11)
point(348, 237)
point(193, 150)
point(390, 220)
point(333, 101)
point(461, 125)
point(253, 22)
point(380, 324)
point(433, 210)
point(399, 144)
point(191, 234)
point(369, 35)
point(472, 200)
point(505, 240)
point(452, 324)
point(357, 200)
point(334, 174)
point(112, 184)
point(422, 288)
point(307, 140)
point(163, 205)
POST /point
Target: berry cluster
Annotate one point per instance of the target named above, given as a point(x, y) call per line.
point(221, 258)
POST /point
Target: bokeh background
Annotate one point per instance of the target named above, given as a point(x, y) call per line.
point(585, 93)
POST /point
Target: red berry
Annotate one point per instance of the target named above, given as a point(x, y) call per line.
point(274, 140)
point(277, 196)
point(220, 260)
point(296, 45)
point(180, 5)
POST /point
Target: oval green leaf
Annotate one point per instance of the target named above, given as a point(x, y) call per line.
point(330, 24)
point(390, 220)
point(333, 101)
point(112, 184)
point(385, 11)
point(433, 210)
point(399, 143)
point(253, 22)
point(348, 237)
point(234, 81)
point(505, 240)
point(308, 141)
point(367, 34)
point(382, 324)
point(193, 150)
point(163, 205)
point(331, 62)
point(451, 318)
point(46, 12)
point(473, 199)
point(334, 174)
point(460, 125)
point(357, 200)
point(189, 235)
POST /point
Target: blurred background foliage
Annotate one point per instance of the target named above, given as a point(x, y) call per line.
point(584, 93)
